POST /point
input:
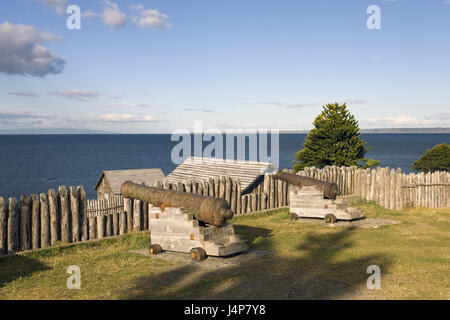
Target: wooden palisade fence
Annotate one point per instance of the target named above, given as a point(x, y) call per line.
point(66, 216)
point(389, 188)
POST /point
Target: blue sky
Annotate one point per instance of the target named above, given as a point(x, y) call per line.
point(156, 66)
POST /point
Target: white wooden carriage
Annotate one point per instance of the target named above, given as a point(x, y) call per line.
point(308, 202)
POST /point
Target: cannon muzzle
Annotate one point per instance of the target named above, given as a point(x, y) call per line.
point(207, 209)
point(330, 189)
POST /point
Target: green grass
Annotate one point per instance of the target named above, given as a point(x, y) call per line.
point(307, 261)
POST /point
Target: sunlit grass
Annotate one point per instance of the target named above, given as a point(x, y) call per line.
point(306, 261)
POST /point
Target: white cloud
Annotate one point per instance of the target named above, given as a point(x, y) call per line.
point(401, 119)
point(59, 5)
point(23, 119)
point(199, 110)
point(112, 16)
point(129, 104)
point(433, 120)
point(24, 94)
point(150, 18)
point(22, 51)
point(137, 7)
point(441, 116)
point(126, 117)
point(356, 101)
point(153, 19)
point(75, 94)
point(89, 14)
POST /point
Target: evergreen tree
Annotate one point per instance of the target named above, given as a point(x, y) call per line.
point(435, 159)
point(335, 140)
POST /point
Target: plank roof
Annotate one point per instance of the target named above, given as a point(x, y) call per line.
point(201, 169)
point(115, 178)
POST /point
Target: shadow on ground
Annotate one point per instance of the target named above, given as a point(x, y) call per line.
point(18, 266)
point(316, 267)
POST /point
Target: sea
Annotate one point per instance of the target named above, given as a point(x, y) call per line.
point(35, 163)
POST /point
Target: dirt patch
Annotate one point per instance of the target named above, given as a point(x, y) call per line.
point(365, 223)
point(210, 262)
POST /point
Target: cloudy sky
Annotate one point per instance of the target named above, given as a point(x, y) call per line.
point(156, 66)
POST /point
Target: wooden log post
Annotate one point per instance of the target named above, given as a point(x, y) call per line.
point(210, 187)
point(357, 183)
point(145, 219)
point(250, 207)
point(380, 186)
point(227, 190)
point(35, 222)
point(128, 209)
point(137, 212)
point(200, 188)
point(222, 187)
point(55, 223)
point(420, 189)
point(83, 213)
point(344, 179)
point(3, 227)
point(429, 191)
point(233, 195)
point(45, 221)
point(25, 223)
point(263, 201)
point(266, 183)
point(75, 214)
point(216, 186)
point(101, 226)
point(280, 193)
point(109, 223)
point(187, 186)
point(13, 226)
point(270, 192)
point(92, 228)
point(238, 197)
point(115, 223)
point(122, 223)
point(65, 211)
point(392, 190)
point(387, 184)
point(244, 203)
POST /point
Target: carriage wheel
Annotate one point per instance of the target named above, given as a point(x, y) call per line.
point(155, 249)
point(198, 254)
point(330, 218)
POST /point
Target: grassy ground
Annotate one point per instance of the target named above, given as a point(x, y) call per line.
point(308, 261)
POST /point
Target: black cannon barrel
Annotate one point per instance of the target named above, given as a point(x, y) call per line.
point(207, 209)
point(330, 189)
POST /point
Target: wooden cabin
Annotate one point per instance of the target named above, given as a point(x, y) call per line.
point(250, 173)
point(111, 181)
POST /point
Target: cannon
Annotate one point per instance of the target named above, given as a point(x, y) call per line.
point(313, 198)
point(187, 222)
point(330, 190)
point(210, 210)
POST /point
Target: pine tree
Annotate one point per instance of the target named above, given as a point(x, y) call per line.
point(335, 140)
point(437, 158)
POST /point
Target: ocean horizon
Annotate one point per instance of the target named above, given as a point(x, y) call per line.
point(34, 163)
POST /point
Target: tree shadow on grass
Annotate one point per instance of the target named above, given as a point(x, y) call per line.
point(18, 266)
point(318, 266)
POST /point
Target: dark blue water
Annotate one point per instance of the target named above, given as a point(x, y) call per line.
point(35, 163)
